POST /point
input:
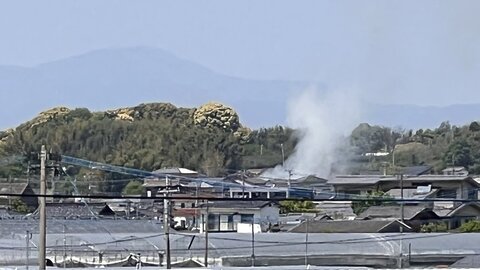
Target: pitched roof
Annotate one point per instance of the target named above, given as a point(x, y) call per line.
point(445, 212)
point(348, 226)
point(337, 209)
point(176, 171)
point(468, 262)
point(417, 170)
point(14, 188)
point(394, 212)
point(73, 210)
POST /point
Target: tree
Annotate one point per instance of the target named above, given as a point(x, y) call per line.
point(472, 226)
point(434, 227)
point(133, 188)
point(297, 207)
point(374, 198)
point(459, 154)
point(20, 206)
point(474, 126)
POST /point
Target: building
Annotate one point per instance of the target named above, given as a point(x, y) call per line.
point(455, 217)
point(308, 187)
point(413, 215)
point(459, 171)
point(446, 186)
point(351, 226)
point(78, 211)
point(337, 210)
point(19, 189)
point(224, 216)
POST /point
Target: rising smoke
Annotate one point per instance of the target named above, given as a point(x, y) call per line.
point(323, 121)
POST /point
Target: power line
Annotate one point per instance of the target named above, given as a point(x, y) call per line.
point(261, 243)
point(366, 199)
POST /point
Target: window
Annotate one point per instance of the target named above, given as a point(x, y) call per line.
point(214, 222)
point(447, 194)
point(182, 205)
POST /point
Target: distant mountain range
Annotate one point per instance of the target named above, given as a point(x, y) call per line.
point(111, 78)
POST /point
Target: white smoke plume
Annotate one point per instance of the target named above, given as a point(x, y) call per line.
point(322, 122)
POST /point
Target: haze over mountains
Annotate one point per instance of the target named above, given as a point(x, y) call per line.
point(111, 78)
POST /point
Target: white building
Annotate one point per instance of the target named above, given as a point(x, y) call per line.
point(224, 216)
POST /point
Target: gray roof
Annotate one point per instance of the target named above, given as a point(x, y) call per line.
point(73, 210)
point(357, 179)
point(416, 170)
point(125, 237)
point(471, 261)
point(15, 188)
point(336, 210)
point(449, 212)
point(372, 180)
point(394, 212)
point(176, 171)
point(347, 226)
point(237, 204)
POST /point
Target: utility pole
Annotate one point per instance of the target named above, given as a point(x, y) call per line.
point(306, 244)
point(253, 242)
point(11, 190)
point(166, 221)
point(402, 219)
point(28, 172)
point(283, 156)
point(42, 204)
point(64, 247)
point(205, 229)
point(243, 184)
point(28, 236)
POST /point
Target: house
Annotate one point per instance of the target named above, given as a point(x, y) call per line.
point(185, 211)
point(19, 189)
point(417, 170)
point(417, 195)
point(455, 217)
point(260, 187)
point(225, 216)
point(351, 226)
point(413, 215)
point(459, 171)
point(410, 212)
point(178, 172)
point(288, 221)
point(447, 186)
point(77, 211)
point(336, 210)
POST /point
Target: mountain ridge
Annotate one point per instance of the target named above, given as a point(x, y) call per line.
point(119, 77)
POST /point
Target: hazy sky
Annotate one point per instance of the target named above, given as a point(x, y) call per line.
point(418, 52)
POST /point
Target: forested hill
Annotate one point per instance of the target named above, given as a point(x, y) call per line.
point(212, 140)
point(151, 136)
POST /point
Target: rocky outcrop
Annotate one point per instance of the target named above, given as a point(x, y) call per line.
point(126, 114)
point(4, 136)
point(152, 111)
point(49, 115)
point(217, 115)
point(244, 134)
